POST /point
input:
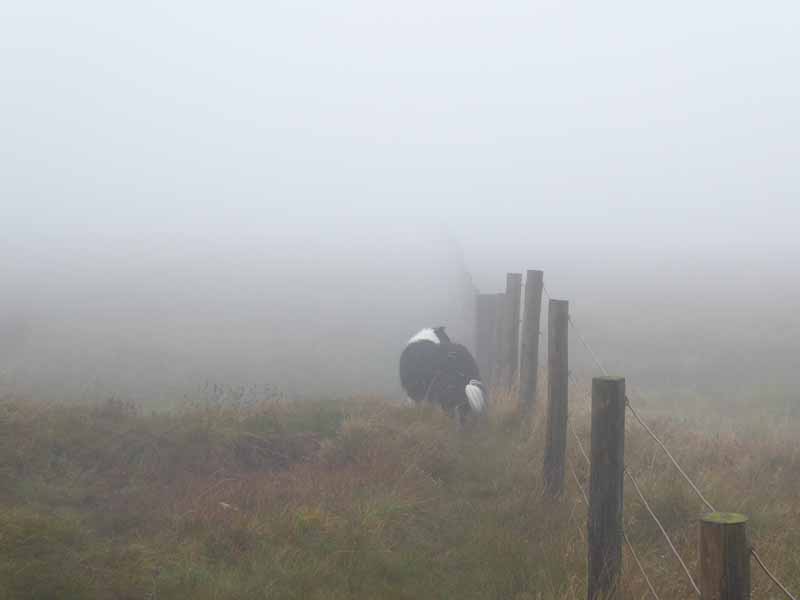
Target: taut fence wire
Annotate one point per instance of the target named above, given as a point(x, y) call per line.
point(663, 531)
point(586, 500)
point(676, 464)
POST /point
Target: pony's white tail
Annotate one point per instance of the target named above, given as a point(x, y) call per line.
point(475, 396)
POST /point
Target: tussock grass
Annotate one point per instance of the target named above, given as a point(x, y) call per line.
point(349, 499)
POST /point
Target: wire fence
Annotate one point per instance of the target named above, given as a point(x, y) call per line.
point(639, 491)
point(637, 416)
point(628, 543)
point(663, 531)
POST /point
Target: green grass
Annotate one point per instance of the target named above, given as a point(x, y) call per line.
point(351, 499)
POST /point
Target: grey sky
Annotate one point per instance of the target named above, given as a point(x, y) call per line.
point(655, 118)
point(567, 136)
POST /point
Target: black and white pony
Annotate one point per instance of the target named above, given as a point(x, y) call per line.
point(435, 369)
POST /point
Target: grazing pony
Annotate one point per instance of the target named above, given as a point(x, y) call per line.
point(435, 369)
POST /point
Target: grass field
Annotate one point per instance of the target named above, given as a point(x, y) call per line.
point(354, 499)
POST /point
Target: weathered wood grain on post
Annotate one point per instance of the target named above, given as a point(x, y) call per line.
point(605, 488)
point(487, 311)
point(509, 343)
point(557, 395)
point(724, 557)
point(531, 326)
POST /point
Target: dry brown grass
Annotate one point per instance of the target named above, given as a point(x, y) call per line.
point(352, 499)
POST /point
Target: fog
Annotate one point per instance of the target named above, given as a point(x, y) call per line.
point(282, 193)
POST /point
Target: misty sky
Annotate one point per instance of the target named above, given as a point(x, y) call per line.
point(672, 125)
point(560, 135)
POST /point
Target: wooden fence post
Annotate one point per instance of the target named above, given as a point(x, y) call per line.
point(557, 394)
point(496, 379)
point(487, 312)
point(509, 343)
point(529, 367)
point(724, 557)
point(464, 301)
point(605, 488)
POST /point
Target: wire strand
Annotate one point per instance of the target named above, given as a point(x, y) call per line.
point(572, 429)
point(639, 564)
point(580, 444)
point(663, 446)
point(587, 346)
point(663, 531)
point(578, 481)
point(642, 423)
point(669, 454)
point(583, 493)
point(624, 533)
point(688, 479)
point(770, 575)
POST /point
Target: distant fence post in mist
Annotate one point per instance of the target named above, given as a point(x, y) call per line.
point(467, 299)
point(557, 395)
point(531, 326)
point(724, 557)
point(509, 341)
point(605, 488)
point(487, 313)
point(496, 378)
